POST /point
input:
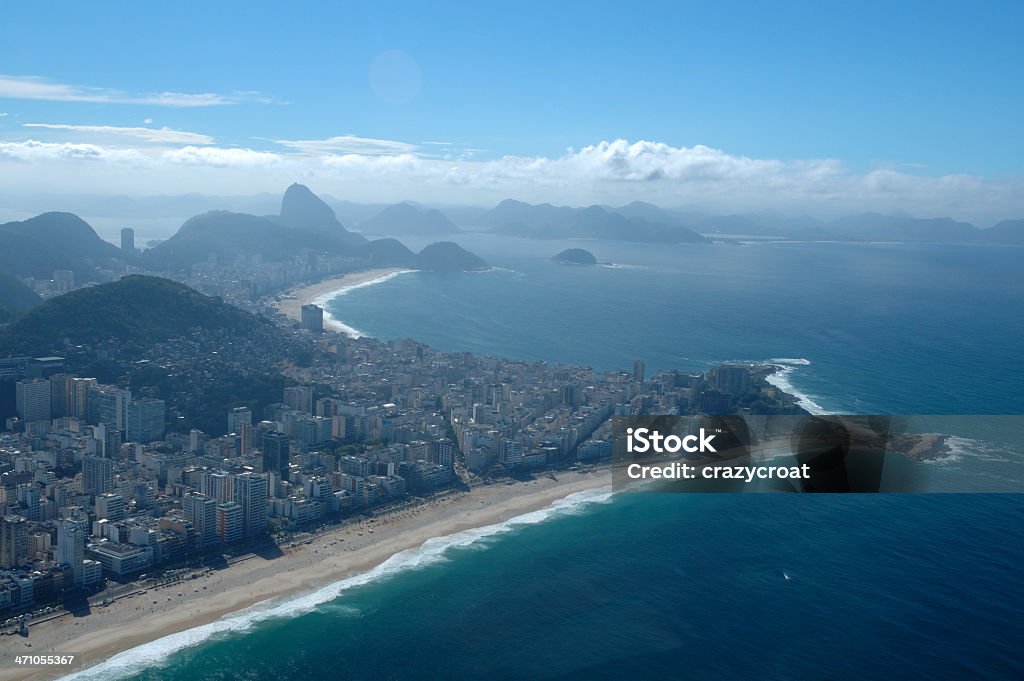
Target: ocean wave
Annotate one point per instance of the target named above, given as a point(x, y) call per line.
point(781, 379)
point(791, 361)
point(350, 331)
point(431, 552)
point(961, 448)
point(343, 290)
point(324, 299)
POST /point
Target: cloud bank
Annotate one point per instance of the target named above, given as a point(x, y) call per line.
point(613, 172)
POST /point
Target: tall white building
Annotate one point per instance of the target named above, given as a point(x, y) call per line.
point(251, 495)
point(237, 417)
point(33, 400)
point(240, 423)
point(202, 511)
point(218, 486)
point(71, 547)
point(110, 507)
point(145, 420)
point(108, 404)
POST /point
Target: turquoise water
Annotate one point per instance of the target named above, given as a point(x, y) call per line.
point(687, 586)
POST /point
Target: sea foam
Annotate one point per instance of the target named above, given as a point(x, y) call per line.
point(330, 319)
point(781, 380)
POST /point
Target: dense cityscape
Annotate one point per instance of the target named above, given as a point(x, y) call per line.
point(103, 481)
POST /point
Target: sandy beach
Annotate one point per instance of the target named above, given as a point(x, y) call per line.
point(292, 300)
point(331, 556)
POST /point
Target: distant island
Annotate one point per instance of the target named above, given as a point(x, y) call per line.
point(575, 256)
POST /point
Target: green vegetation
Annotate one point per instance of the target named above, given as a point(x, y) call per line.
point(15, 297)
point(205, 407)
point(136, 309)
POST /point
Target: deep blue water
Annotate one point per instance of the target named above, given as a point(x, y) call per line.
point(887, 328)
point(703, 586)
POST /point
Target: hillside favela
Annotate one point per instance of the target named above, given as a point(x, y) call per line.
point(514, 341)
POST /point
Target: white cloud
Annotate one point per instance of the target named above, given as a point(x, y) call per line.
point(348, 144)
point(156, 135)
point(34, 87)
point(612, 172)
point(148, 121)
point(222, 157)
point(42, 152)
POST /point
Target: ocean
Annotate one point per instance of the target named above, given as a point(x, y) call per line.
point(737, 586)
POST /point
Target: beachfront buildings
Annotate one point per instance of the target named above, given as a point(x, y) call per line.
point(70, 549)
point(116, 486)
point(13, 541)
point(250, 491)
point(201, 511)
point(313, 318)
point(276, 454)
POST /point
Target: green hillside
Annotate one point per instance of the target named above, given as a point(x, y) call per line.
point(136, 309)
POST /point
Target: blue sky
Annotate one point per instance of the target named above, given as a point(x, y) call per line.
point(911, 93)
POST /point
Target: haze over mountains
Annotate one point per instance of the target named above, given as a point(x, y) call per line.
point(635, 222)
point(54, 241)
point(306, 227)
point(305, 224)
point(407, 219)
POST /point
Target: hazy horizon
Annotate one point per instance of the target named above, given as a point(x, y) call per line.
point(725, 110)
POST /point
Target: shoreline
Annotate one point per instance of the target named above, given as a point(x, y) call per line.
point(290, 302)
point(225, 599)
point(780, 379)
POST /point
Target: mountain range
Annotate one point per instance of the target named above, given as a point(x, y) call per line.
point(640, 221)
point(545, 221)
point(305, 224)
point(403, 219)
